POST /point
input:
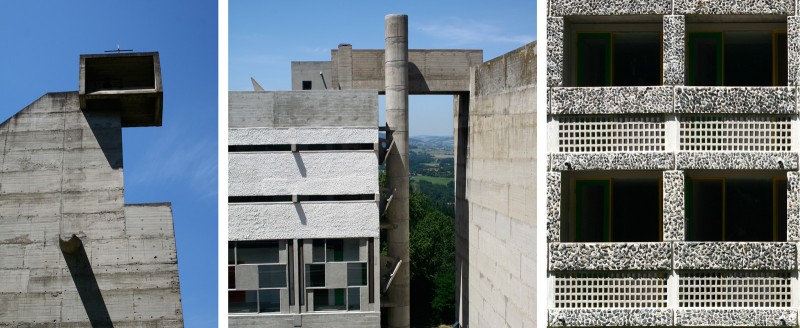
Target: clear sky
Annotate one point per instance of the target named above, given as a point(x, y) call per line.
point(177, 163)
point(266, 36)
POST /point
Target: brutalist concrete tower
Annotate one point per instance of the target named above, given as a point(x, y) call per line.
point(72, 253)
point(397, 166)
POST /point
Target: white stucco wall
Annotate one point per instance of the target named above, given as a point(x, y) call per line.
point(267, 221)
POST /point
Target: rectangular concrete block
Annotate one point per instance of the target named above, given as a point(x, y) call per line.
point(302, 220)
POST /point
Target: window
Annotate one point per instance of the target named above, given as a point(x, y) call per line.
point(736, 208)
point(306, 85)
point(258, 276)
point(337, 274)
point(618, 58)
point(614, 209)
point(737, 58)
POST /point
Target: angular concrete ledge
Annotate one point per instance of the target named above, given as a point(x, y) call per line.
point(609, 256)
point(775, 317)
point(739, 7)
point(276, 136)
point(611, 161)
point(736, 161)
point(609, 100)
point(735, 100)
point(302, 220)
point(306, 173)
point(608, 317)
point(735, 256)
point(609, 7)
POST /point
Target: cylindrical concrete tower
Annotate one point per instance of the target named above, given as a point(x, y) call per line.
point(397, 166)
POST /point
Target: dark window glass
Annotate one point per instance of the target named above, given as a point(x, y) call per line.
point(594, 59)
point(242, 301)
point(271, 276)
point(748, 58)
point(329, 300)
point(315, 275)
point(257, 252)
point(591, 197)
point(353, 299)
point(356, 274)
point(636, 210)
point(318, 250)
point(231, 277)
point(335, 250)
point(269, 300)
point(780, 59)
point(637, 58)
point(351, 250)
point(704, 202)
point(748, 210)
point(780, 210)
point(231, 253)
point(704, 58)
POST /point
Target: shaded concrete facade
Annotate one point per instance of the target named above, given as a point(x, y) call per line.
point(72, 253)
point(684, 154)
point(303, 184)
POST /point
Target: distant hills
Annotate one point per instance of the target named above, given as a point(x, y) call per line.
point(431, 142)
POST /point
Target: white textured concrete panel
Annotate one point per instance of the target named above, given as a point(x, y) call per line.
point(282, 136)
point(302, 220)
point(302, 173)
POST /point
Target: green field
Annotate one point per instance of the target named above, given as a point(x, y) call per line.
point(434, 180)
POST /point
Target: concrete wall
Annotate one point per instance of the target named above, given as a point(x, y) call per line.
point(500, 228)
point(283, 109)
point(332, 320)
point(429, 71)
point(310, 71)
point(61, 176)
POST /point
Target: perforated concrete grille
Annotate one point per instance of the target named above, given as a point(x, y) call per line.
point(611, 290)
point(735, 133)
point(610, 133)
point(734, 289)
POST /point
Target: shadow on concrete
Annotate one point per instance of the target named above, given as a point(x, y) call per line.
point(416, 81)
point(85, 282)
point(461, 106)
point(106, 125)
point(300, 213)
point(300, 165)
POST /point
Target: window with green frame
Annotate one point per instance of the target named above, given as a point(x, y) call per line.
point(736, 209)
point(736, 58)
point(618, 58)
point(617, 210)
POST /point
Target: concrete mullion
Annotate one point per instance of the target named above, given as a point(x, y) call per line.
point(555, 51)
point(674, 61)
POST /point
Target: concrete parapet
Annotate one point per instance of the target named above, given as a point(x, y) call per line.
point(609, 100)
point(269, 221)
point(609, 256)
point(609, 7)
point(284, 109)
point(609, 317)
point(735, 256)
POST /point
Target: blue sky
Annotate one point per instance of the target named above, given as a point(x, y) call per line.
point(266, 36)
point(177, 163)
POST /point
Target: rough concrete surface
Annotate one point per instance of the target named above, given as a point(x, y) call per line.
point(121, 268)
point(500, 182)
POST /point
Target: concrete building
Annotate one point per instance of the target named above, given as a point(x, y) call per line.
point(673, 168)
point(303, 209)
point(72, 253)
point(494, 115)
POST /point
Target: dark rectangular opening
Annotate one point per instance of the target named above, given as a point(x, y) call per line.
point(306, 85)
point(636, 210)
point(329, 299)
point(594, 59)
point(737, 58)
point(242, 301)
point(637, 58)
point(617, 210)
point(736, 209)
point(259, 199)
point(119, 73)
point(250, 252)
point(301, 147)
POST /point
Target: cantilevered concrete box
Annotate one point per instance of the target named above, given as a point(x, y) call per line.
point(129, 81)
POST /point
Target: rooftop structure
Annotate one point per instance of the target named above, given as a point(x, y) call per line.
point(72, 253)
point(672, 173)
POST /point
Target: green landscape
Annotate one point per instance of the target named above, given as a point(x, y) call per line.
point(432, 230)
